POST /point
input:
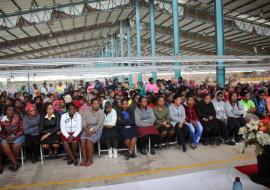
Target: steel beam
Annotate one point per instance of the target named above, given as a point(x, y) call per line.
point(54, 35)
point(220, 70)
point(40, 50)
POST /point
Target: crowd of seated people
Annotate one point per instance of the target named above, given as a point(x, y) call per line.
point(55, 117)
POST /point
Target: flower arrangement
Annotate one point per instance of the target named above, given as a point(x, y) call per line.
point(255, 133)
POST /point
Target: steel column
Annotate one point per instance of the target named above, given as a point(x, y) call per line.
point(129, 54)
point(220, 70)
point(153, 36)
point(122, 52)
point(138, 34)
point(112, 48)
point(176, 34)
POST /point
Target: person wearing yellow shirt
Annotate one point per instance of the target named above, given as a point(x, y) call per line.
point(60, 88)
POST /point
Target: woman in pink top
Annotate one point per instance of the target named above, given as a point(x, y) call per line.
point(151, 86)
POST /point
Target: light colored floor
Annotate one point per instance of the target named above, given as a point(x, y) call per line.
point(55, 174)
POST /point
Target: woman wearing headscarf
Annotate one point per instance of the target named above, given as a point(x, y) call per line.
point(57, 107)
point(71, 126)
point(93, 119)
point(31, 128)
point(110, 133)
point(12, 136)
point(221, 117)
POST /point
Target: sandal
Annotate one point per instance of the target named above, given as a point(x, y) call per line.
point(88, 163)
point(82, 163)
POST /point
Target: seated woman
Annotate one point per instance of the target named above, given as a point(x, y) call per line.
point(221, 117)
point(49, 129)
point(192, 120)
point(248, 106)
point(110, 133)
point(1, 153)
point(235, 113)
point(162, 123)
point(12, 136)
point(207, 117)
point(145, 119)
point(31, 129)
point(71, 127)
point(128, 129)
point(178, 119)
point(93, 119)
point(1, 158)
point(260, 105)
point(57, 107)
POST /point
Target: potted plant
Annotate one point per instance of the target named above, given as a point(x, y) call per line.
point(257, 133)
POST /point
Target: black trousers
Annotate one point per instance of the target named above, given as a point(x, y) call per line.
point(235, 124)
point(181, 133)
point(112, 143)
point(224, 128)
point(32, 145)
point(143, 141)
point(210, 128)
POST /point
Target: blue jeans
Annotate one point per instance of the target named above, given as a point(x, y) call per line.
point(195, 133)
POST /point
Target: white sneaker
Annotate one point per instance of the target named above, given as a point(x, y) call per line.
point(110, 153)
point(115, 153)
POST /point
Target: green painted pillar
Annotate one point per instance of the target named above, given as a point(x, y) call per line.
point(129, 54)
point(138, 34)
point(122, 52)
point(176, 34)
point(153, 36)
point(220, 69)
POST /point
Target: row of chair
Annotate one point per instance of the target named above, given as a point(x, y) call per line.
point(100, 151)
